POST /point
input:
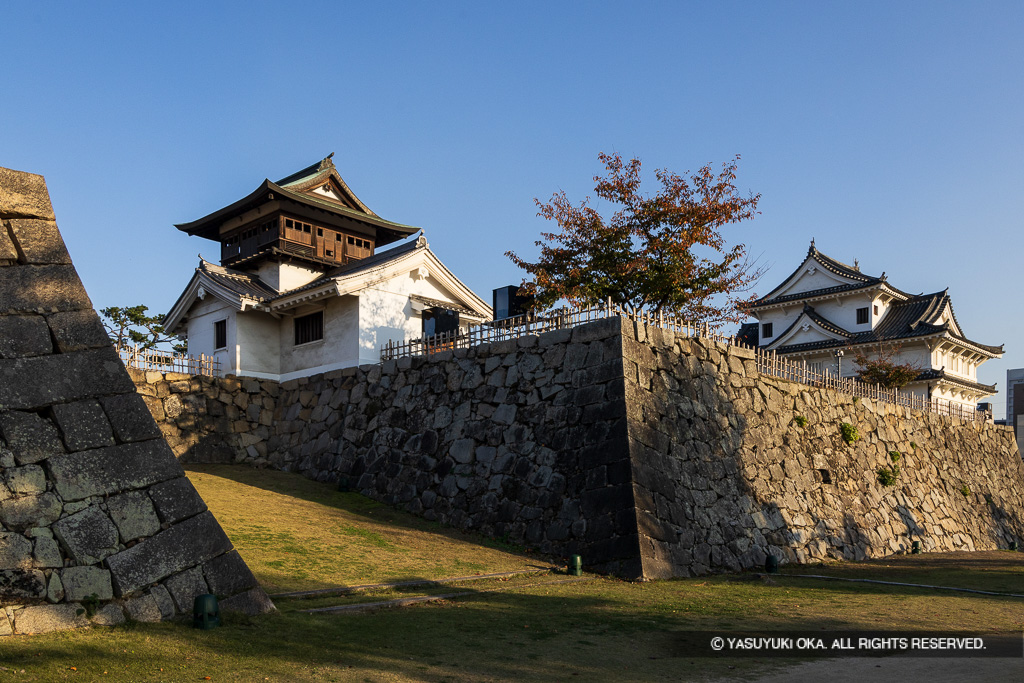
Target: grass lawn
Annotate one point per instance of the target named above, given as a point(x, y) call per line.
point(297, 534)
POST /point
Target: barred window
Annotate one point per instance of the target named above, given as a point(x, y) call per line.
point(766, 331)
point(862, 315)
point(309, 328)
point(220, 334)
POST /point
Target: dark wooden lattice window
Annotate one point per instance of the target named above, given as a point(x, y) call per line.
point(766, 331)
point(220, 334)
point(862, 315)
point(309, 328)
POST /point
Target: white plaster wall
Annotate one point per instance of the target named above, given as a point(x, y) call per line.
point(780, 320)
point(841, 312)
point(819, 279)
point(285, 276)
point(199, 330)
point(844, 311)
point(386, 314)
point(338, 349)
point(259, 344)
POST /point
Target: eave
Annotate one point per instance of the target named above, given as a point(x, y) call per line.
point(827, 294)
point(208, 226)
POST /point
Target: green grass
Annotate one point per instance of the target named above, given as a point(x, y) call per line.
point(520, 629)
point(297, 534)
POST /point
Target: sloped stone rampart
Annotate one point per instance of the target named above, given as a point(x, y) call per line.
point(88, 533)
point(724, 472)
point(648, 453)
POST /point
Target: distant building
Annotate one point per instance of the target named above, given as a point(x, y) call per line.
point(303, 287)
point(1014, 404)
point(825, 311)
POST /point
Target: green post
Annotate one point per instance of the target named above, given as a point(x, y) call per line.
point(205, 612)
point(576, 565)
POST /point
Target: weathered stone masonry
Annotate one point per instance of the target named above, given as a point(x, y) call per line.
point(97, 520)
point(649, 454)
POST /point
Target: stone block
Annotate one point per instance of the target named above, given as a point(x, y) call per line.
point(24, 195)
point(8, 252)
point(109, 615)
point(30, 437)
point(133, 515)
point(113, 469)
point(54, 588)
point(78, 331)
point(48, 618)
point(252, 602)
point(176, 499)
point(22, 583)
point(18, 514)
point(184, 588)
point(24, 335)
point(6, 629)
point(88, 536)
point(185, 544)
point(130, 418)
point(83, 424)
point(462, 450)
point(228, 575)
point(39, 241)
point(82, 582)
point(163, 601)
point(33, 289)
point(15, 551)
point(60, 378)
point(46, 553)
point(25, 480)
point(143, 608)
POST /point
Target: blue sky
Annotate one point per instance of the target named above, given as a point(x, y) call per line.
point(890, 132)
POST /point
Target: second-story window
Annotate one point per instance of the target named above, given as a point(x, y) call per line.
point(863, 315)
point(220, 334)
point(766, 331)
point(309, 328)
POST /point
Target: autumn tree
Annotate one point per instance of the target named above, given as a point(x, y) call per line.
point(660, 253)
point(133, 325)
point(881, 367)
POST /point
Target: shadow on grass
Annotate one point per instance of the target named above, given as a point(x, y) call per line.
point(600, 630)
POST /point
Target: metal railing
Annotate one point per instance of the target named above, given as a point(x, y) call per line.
point(767, 362)
point(139, 358)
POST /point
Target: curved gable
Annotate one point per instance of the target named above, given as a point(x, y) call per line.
point(809, 328)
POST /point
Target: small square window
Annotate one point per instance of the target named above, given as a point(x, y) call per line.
point(766, 331)
point(319, 232)
point(875, 309)
point(220, 334)
point(862, 315)
point(309, 328)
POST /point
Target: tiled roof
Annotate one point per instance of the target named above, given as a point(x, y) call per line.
point(929, 375)
point(905, 320)
point(446, 305)
point(830, 264)
point(357, 266)
point(243, 284)
point(747, 334)
point(824, 291)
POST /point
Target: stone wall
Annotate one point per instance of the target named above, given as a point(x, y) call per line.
point(647, 454)
point(211, 420)
point(729, 465)
point(97, 520)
